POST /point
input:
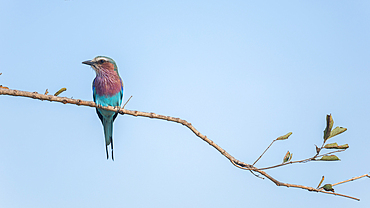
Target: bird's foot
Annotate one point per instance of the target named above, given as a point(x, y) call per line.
point(118, 108)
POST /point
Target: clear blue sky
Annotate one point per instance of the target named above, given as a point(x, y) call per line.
point(242, 72)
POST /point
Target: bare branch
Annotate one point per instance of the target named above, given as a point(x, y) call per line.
point(66, 100)
point(235, 162)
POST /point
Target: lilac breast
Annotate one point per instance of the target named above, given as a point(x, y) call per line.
point(107, 85)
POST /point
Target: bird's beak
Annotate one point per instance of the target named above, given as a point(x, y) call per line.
point(88, 62)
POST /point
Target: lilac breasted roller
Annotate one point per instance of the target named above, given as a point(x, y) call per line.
point(107, 91)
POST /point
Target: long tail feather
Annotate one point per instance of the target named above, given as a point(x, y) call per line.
point(106, 151)
point(111, 145)
point(108, 134)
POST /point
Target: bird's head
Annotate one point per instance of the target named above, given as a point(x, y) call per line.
point(102, 63)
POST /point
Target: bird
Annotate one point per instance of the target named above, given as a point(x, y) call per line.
point(108, 90)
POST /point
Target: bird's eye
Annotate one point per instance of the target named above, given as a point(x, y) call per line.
point(101, 61)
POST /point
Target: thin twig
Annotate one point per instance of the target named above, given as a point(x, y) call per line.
point(303, 161)
point(264, 151)
point(322, 179)
point(352, 179)
point(127, 101)
point(341, 150)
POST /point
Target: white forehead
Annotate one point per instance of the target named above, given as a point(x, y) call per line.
point(100, 58)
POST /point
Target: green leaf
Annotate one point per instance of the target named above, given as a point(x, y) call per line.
point(329, 158)
point(336, 131)
point(285, 136)
point(287, 157)
point(328, 187)
point(336, 146)
point(329, 126)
